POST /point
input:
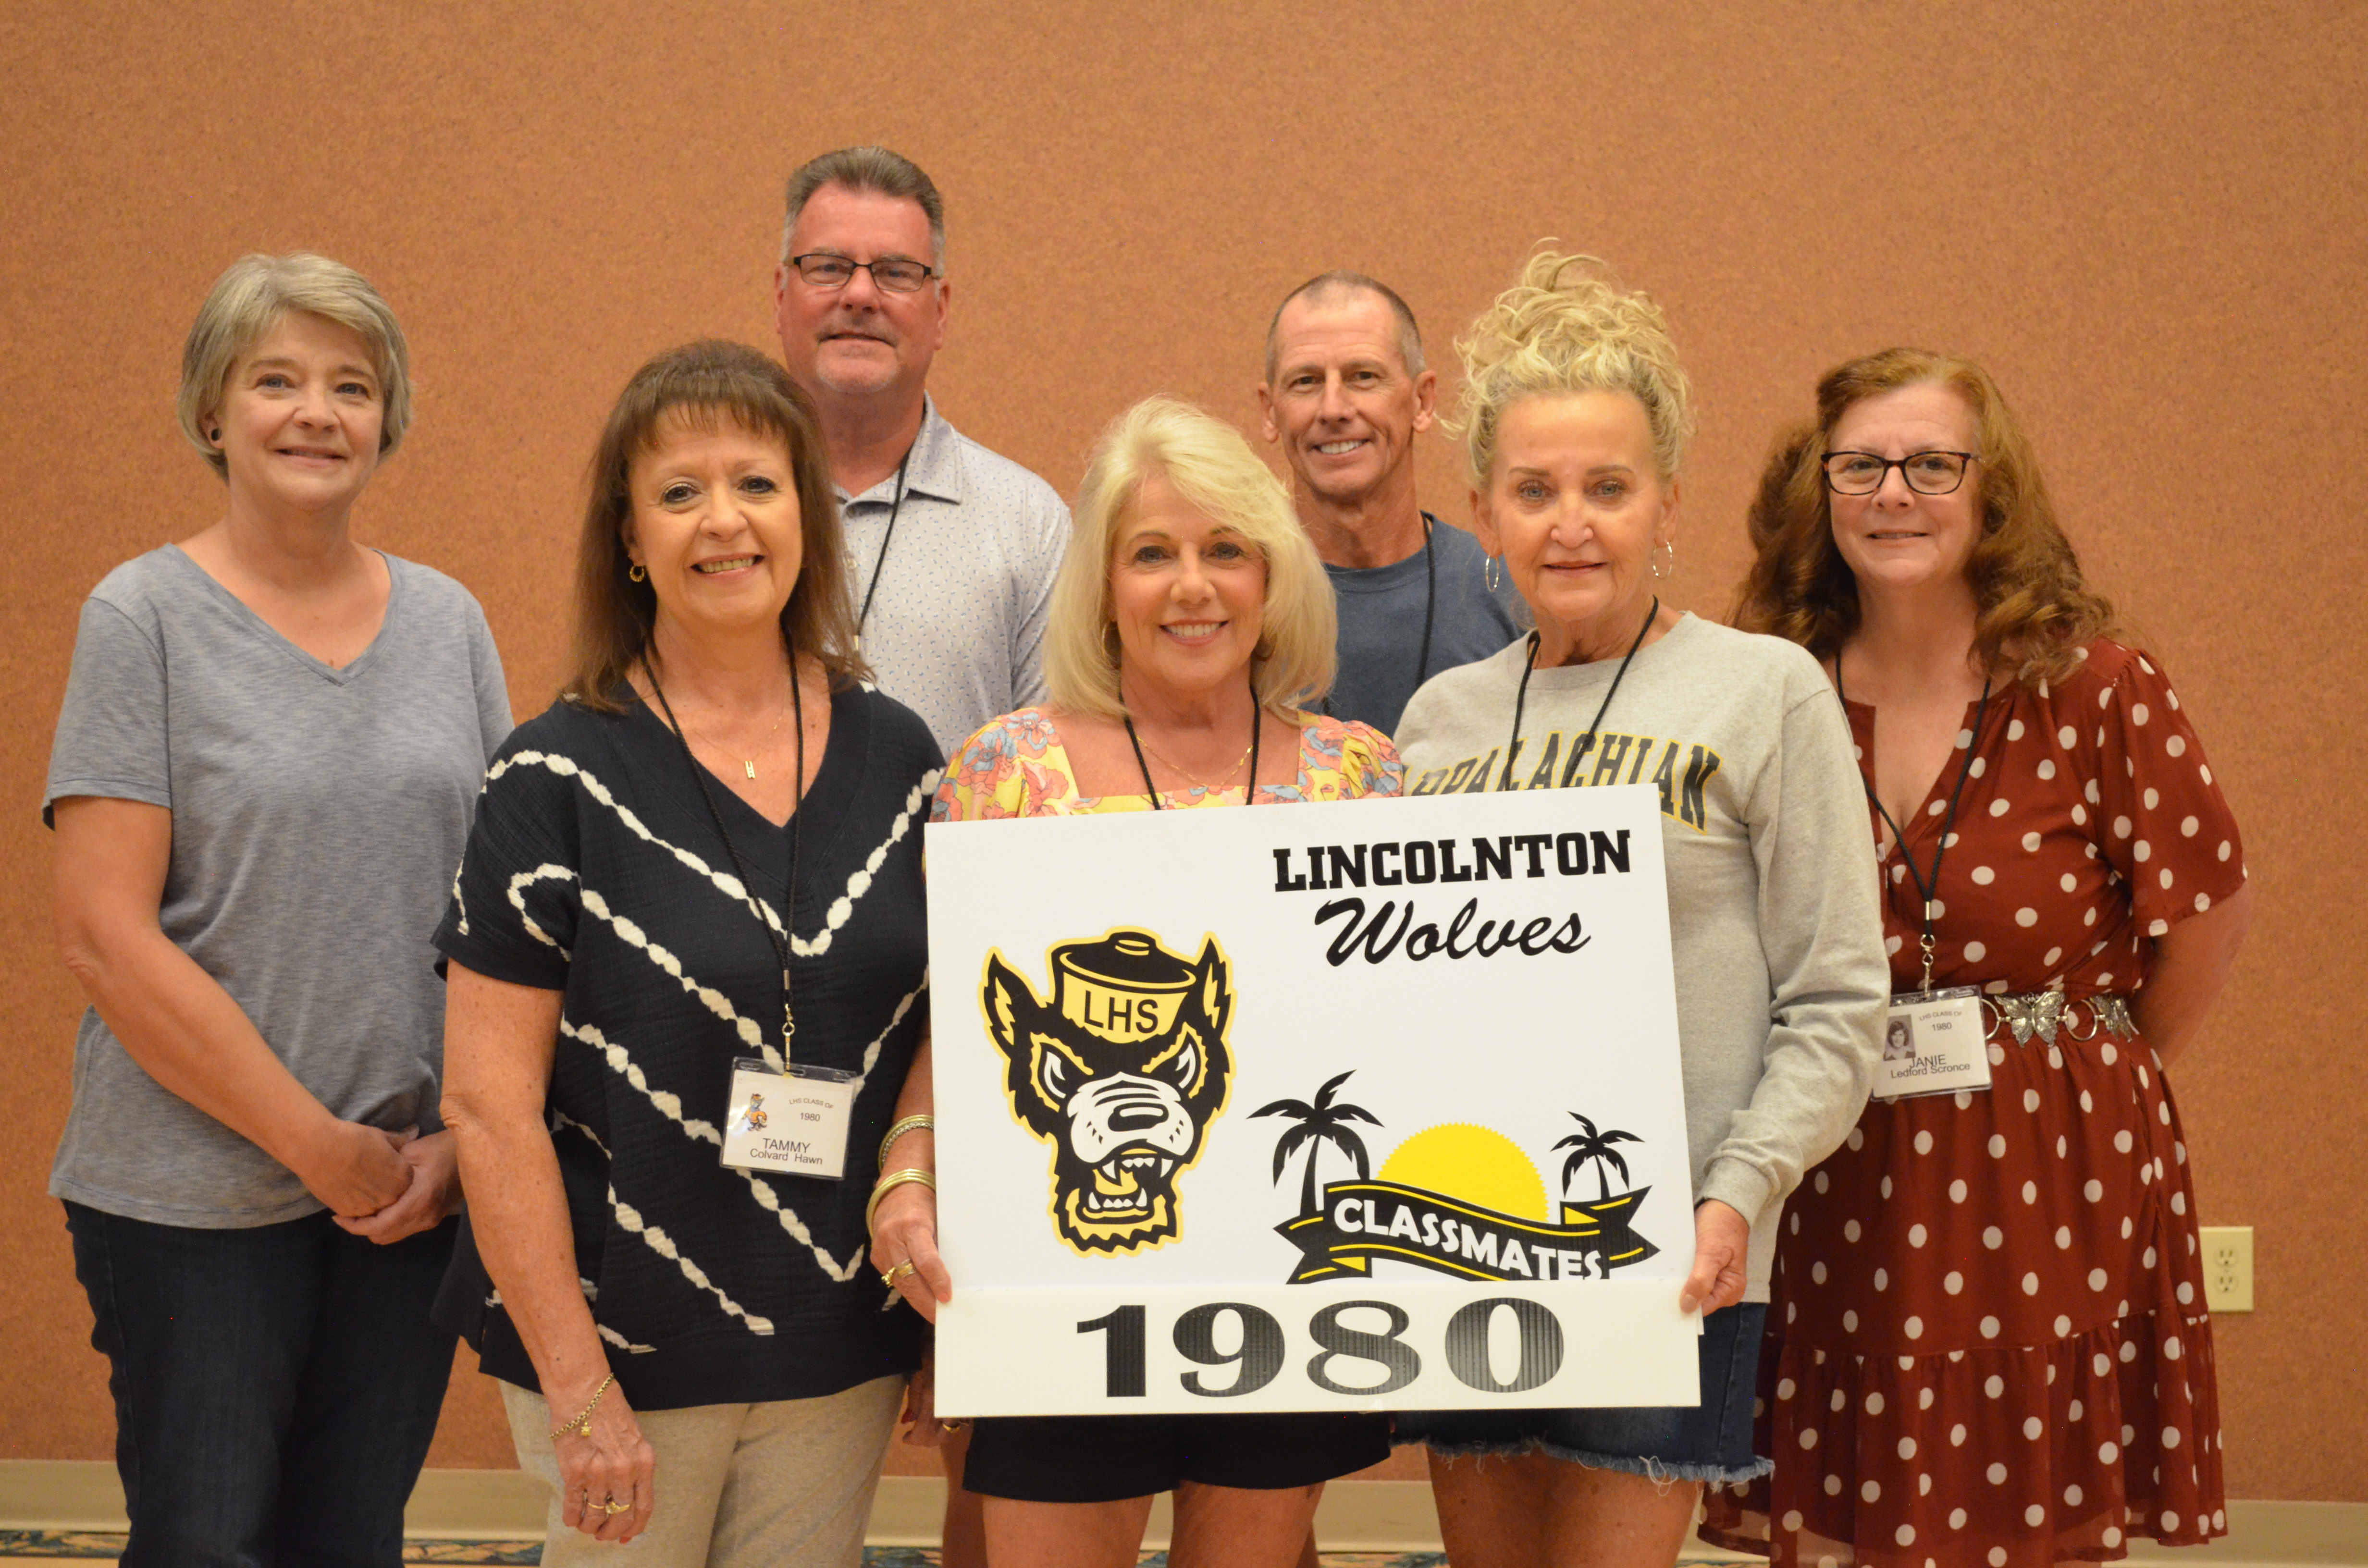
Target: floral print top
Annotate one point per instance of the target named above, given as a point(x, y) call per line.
point(1017, 767)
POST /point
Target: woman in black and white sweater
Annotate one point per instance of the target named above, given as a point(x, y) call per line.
point(658, 1309)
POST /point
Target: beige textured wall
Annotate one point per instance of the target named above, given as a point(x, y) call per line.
point(2147, 220)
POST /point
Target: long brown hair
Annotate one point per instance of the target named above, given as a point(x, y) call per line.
point(705, 383)
point(2033, 610)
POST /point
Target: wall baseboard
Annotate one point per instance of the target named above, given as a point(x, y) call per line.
point(1362, 1516)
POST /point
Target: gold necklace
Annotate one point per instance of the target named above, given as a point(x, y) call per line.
point(1200, 783)
point(748, 764)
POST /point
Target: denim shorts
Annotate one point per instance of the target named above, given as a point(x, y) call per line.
point(1709, 1441)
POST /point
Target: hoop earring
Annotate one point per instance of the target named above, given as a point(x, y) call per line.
point(1669, 545)
point(1493, 573)
point(638, 573)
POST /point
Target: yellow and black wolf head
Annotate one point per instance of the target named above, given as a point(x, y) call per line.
point(1122, 1073)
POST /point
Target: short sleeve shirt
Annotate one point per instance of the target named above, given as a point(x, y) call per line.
point(1382, 657)
point(596, 868)
point(2090, 823)
point(317, 815)
point(958, 593)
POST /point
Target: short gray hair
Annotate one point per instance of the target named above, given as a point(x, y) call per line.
point(249, 299)
point(876, 169)
point(1340, 280)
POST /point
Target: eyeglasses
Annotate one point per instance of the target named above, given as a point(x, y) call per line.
point(824, 270)
point(1926, 473)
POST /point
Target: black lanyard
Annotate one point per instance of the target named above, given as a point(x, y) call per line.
point(1258, 722)
point(1521, 696)
point(880, 562)
point(778, 938)
point(1925, 885)
point(1430, 607)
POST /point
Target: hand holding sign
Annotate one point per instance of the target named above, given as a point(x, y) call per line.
point(905, 1231)
point(1722, 1251)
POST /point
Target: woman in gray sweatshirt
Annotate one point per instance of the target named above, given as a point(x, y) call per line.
point(1575, 415)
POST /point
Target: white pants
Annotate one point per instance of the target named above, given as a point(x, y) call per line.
point(783, 1484)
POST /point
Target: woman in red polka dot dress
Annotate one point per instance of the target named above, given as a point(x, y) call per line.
point(1987, 1345)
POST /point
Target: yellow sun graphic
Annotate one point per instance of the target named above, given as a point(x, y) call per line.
point(1474, 1163)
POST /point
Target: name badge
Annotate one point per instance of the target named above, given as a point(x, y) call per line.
point(794, 1122)
point(1934, 1042)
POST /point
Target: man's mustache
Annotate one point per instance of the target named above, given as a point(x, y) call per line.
point(851, 328)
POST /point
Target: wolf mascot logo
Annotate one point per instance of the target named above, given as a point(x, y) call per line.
point(1122, 1073)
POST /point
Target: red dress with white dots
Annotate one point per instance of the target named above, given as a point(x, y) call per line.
point(1987, 1346)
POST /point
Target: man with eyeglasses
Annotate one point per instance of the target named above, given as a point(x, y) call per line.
point(1345, 396)
point(955, 548)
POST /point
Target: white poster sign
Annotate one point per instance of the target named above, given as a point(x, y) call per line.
point(1353, 1105)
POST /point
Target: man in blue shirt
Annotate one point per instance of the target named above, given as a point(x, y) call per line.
point(1345, 396)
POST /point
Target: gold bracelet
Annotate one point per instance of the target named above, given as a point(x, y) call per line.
point(582, 1424)
point(895, 1178)
point(910, 1124)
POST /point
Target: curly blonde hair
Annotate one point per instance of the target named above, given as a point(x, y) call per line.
point(2034, 612)
point(1567, 327)
point(1206, 462)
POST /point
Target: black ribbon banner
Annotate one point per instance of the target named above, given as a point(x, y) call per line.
point(1363, 1220)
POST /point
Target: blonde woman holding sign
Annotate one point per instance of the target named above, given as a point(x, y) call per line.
point(1191, 624)
point(1575, 415)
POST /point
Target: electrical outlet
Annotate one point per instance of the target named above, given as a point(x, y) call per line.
point(2228, 1267)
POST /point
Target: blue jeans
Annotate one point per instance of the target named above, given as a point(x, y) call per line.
point(275, 1388)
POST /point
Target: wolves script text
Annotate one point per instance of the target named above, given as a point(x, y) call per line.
point(1535, 936)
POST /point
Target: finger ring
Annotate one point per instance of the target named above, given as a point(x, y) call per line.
point(898, 1272)
point(610, 1506)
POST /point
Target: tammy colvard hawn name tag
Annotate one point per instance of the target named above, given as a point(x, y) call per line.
point(794, 1120)
point(1470, 931)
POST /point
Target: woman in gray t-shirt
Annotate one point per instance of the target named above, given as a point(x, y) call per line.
point(270, 746)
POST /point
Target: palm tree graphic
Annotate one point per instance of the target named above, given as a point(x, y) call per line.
point(1592, 1146)
point(1318, 1124)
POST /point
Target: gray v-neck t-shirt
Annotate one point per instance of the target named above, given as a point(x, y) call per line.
point(318, 816)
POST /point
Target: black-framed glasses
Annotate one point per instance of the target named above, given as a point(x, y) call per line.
point(1926, 473)
point(821, 269)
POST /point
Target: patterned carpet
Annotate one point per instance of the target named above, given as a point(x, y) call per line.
point(89, 1546)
